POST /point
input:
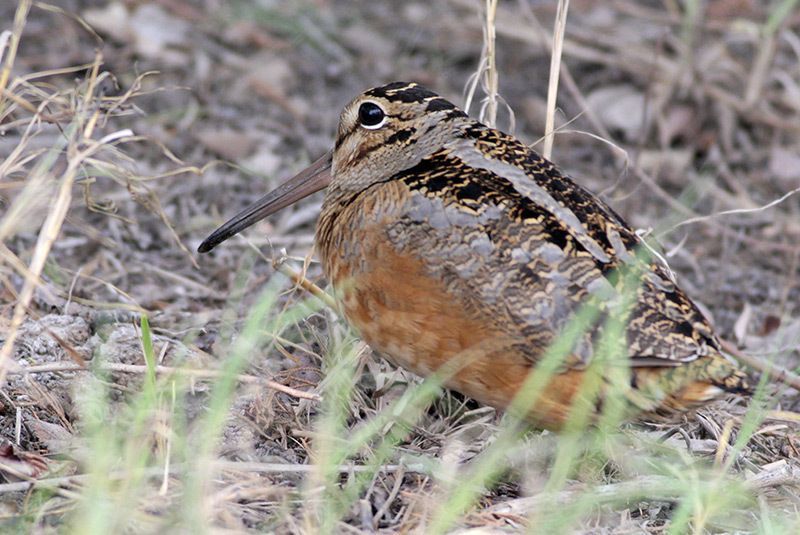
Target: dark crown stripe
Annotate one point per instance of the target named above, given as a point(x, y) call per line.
point(439, 104)
point(402, 92)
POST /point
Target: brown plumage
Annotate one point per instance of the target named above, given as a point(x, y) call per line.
point(449, 243)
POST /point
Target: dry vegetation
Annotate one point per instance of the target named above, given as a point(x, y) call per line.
point(130, 129)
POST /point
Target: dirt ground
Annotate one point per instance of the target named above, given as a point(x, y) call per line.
point(687, 123)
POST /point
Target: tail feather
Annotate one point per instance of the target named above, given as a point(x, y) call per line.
point(723, 373)
point(691, 384)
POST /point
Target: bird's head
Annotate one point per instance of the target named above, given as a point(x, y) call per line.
point(381, 132)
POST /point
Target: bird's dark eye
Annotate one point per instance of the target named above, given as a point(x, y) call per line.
point(370, 115)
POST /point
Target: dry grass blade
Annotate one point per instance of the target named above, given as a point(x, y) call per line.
point(299, 279)
point(492, 90)
point(555, 70)
point(10, 53)
point(81, 148)
point(486, 75)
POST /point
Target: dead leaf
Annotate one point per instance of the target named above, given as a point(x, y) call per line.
point(18, 465)
point(670, 163)
point(227, 143)
point(771, 324)
point(153, 32)
point(740, 327)
point(55, 437)
point(619, 107)
point(784, 163)
point(157, 34)
point(678, 121)
point(265, 161)
point(112, 20)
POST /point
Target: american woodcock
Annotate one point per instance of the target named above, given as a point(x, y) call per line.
point(447, 241)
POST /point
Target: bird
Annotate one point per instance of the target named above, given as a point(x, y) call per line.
point(454, 248)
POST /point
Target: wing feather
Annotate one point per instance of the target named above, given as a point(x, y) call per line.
point(524, 247)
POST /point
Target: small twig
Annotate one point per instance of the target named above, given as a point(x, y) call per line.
point(775, 372)
point(52, 482)
point(771, 475)
point(30, 481)
point(398, 483)
point(736, 211)
point(783, 416)
point(300, 280)
point(260, 468)
point(281, 468)
point(165, 370)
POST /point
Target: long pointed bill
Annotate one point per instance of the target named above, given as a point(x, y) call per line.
point(310, 180)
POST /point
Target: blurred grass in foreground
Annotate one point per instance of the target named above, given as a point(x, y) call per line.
point(148, 469)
